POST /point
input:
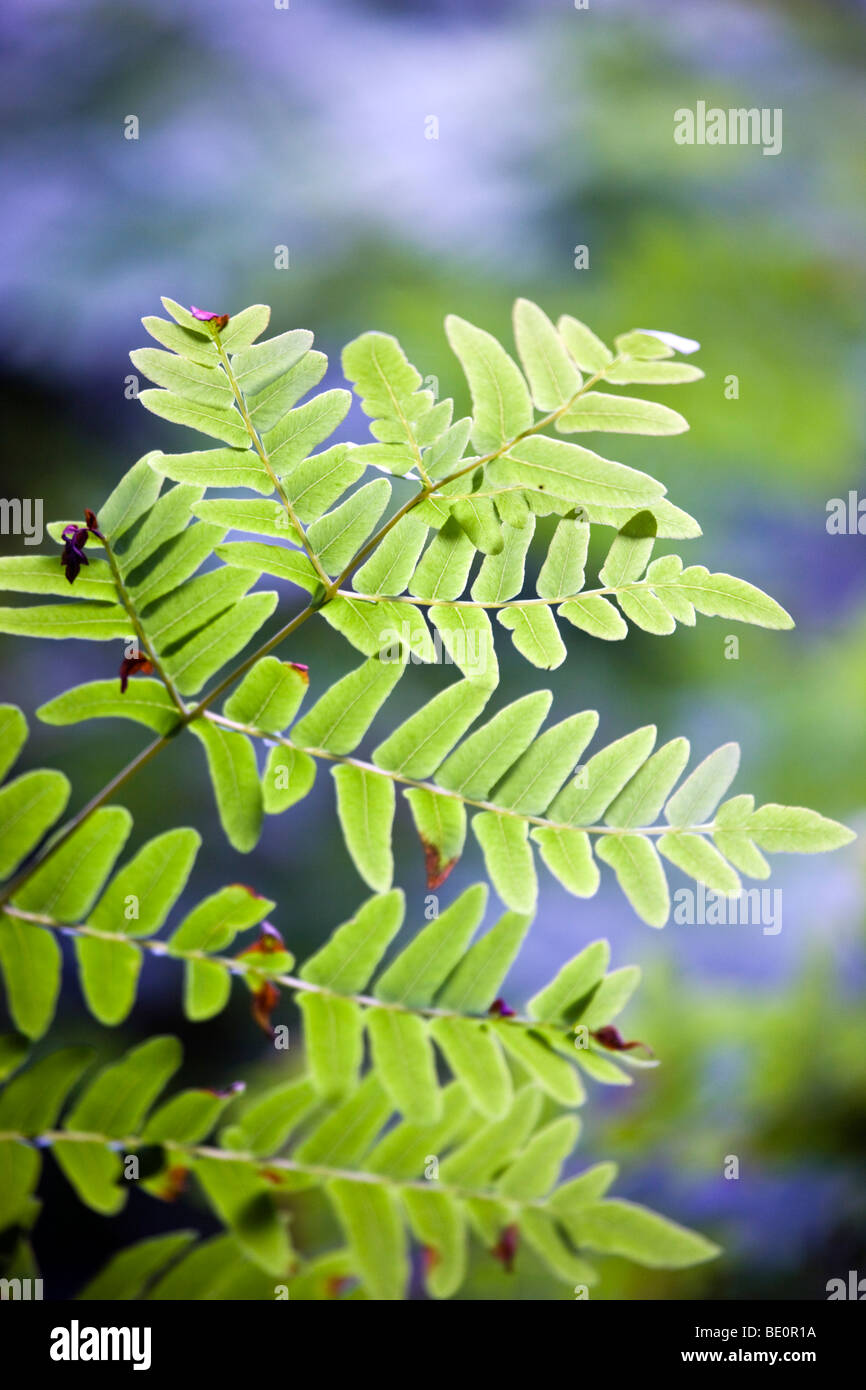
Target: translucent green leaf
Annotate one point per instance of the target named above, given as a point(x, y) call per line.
point(95, 1173)
point(265, 1127)
point(242, 1199)
point(550, 370)
point(601, 1068)
point(501, 576)
point(215, 1269)
point(144, 702)
point(652, 373)
point(539, 772)
point(94, 622)
point(555, 1076)
point(437, 1221)
point(629, 555)
point(256, 367)
point(479, 763)
point(44, 574)
point(135, 494)
point(269, 695)
point(562, 573)
point(642, 798)
point(478, 518)
point(598, 410)
point(444, 567)
point(333, 1037)
point(368, 1214)
point(127, 1275)
point(476, 981)
point(392, 563)
point(31, 963)
point(316, 483)
point(215, 420)
point(28, 807)
point(263, 518)
point(640, 875)
point(243, 328)
point(587, 1187)
point(351, 954)
point(488, 1150)
point(388, 384)
point(646, 611)
point(508, 858)
point(473, 1053)
point(214, 922)
point(270, 404)
point(441, 825)
point(573, 473)
point(299, 431)
point(468, 640)
point(418, 971)
point(796, 830)
point(501, 405)
point(206, 386)
point(443, 456)
point(723, 596)
point(736, 846)
point(595, 615)
point(211, 648)
point(543, 1235)
point(166, 519)
point(403, 1059)
point(560, 1001)
point(108, 971)
point(346, 1132)
point(535, 634)
point(697, 857)
point(403, 1152)
point(278, 560)
point(584, 800)
point(340, 718)
point(623, 1228)
point(642, 345)
point(116, 1102)
point(696, 800)
point(536, 1170)
point(178, 615)
point(14, 1051)
point(288, 777)
point(337, 536)
point(66, 884)
point(611, 997)
point(568, 856)
point(588, 351)
point(216, 468)
point(175, 562)
point(365, 805)
point(32, 1102)
point(234, 776)
point(187, 1118)
point(193, 346)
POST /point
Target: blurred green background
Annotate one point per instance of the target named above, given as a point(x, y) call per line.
point(305, 128)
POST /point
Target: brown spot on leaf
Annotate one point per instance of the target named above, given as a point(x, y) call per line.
point(505, 1249)
point(171, 1184)
point(437, 869)
point(133, 666)
point(265, 1000)
point(612, 1039)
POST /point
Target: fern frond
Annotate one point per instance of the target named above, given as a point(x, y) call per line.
point(515, 779)
point(439, 990)
point(500, 1180)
